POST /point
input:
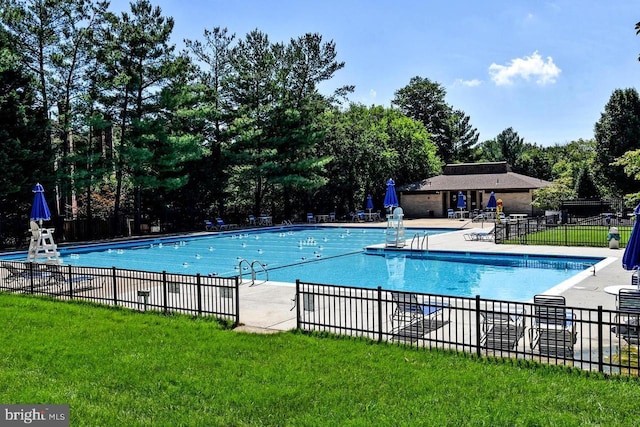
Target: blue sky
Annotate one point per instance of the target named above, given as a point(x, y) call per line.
point(544, 68)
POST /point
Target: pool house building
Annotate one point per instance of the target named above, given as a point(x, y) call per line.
point(435, 196)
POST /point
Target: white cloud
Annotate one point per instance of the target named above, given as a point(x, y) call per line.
point(526, 68)
point(468, 83)
point(372, 94)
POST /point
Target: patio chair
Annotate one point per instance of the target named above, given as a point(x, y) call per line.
point(266, 220)
point(251, 220)
point(502, 326)
point(412, 319)
point(208, 225)
point(553, 329)
point(311, 218)
point(67, 283)
point(221, 225)
point(627, 320)
point(332, 217)
point(484, 236)
point(14, 273)
point(451, 214)
point(23, 274)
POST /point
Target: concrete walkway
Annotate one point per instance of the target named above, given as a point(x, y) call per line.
point(268, 307)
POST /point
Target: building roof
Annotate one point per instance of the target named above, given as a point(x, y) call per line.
point(493, 176)
point(476, 168)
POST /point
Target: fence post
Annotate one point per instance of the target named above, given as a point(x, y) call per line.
point(165, 294)
point(114, 281)
point(199, 293)
point(70, 283)
point(600, 348)
point(478, 352)
point(379, 313)
point(31, 277)
point(296, 305)
point(237, 300)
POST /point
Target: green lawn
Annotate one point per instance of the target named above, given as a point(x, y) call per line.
point(574, 235)
point(121, 368)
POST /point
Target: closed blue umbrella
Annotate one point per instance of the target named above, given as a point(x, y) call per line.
point(369, 203)
point(631, 257)
point(462, 203)
point(40, 210)
point(491, 204)
point(390, 198)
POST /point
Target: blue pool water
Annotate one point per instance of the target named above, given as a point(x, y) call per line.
point(335, 256)
point(492, 276)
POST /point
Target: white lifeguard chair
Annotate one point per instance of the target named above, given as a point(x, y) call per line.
point(42, 246)
point(395, 229)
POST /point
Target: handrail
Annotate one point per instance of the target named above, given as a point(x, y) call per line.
point(413, 239)
point(421, 244)
point(253, 272)
point(243, 260)
point(252, 268)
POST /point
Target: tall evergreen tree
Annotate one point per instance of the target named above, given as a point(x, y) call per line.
point(206, 189)
point(511, 145)
point(585, 186)
point(273, 88)
point(139, 64)
point(38, 27)
point(26, 157)
point(295, 132)
point(71, 63)
point(462, 137)
point(616, 132)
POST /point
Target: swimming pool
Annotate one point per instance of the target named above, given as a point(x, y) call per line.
point(220, 254)
point(336, 255)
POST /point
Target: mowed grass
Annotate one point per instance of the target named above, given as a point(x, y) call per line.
point(574, 235)
point(122, 368)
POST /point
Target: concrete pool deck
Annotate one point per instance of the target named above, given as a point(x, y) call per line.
point(268, 307)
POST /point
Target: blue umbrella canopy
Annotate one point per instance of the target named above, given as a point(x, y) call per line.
point(631, 257)
point(390, 198)
point(40, 210)
point(369, 202)
point(491, 204)
point(461, 202)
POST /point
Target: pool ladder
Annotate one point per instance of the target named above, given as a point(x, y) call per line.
point(420, 244)
point(252, 268)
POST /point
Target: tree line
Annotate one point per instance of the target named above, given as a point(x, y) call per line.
point(103, 111)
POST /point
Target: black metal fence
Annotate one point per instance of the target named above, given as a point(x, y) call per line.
point(139, 290)
point(592, 232)
point(581, 208)
point(591, 339)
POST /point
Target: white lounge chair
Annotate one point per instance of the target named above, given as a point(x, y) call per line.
point(484, 236)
